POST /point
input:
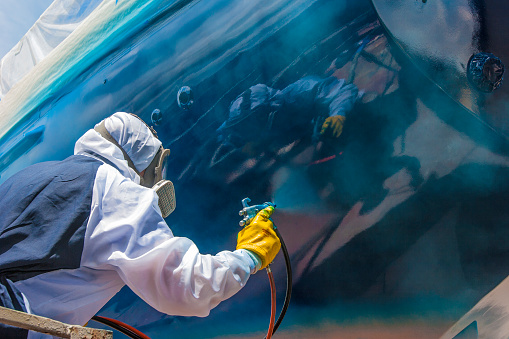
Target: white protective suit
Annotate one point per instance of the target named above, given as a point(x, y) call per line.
point(127, 242)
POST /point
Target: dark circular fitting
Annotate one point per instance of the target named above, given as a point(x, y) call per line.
point(485, 71)
point(156, 117)
point(185, 97)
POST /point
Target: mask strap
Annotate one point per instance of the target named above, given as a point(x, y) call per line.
point(101, 129)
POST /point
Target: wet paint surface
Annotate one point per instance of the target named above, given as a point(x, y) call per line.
point(440, 37)
point(395, 211)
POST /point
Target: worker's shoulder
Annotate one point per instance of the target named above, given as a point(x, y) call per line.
point(65, 179)
point(70, 163)
point(111, 177)
point(113, 187)
point(68, 169)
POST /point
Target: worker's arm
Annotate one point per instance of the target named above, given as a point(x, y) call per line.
point(127, 234)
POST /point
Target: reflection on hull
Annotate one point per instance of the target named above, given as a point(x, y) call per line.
point(391, 194)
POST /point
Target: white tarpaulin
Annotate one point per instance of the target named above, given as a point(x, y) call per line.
point(55, 24)
point(110, 26)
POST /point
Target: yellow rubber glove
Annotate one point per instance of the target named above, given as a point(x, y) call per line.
point(333, 126)
point(260, 238)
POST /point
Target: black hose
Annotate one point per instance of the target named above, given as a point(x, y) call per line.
point(288, 281)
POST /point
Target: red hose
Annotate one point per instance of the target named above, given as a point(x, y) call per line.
point(272, 312)
point(124, 325)
point(273, 303)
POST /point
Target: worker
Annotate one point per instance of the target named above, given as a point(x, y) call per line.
point(74, 232)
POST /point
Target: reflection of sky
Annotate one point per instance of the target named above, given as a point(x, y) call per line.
point(16, 18)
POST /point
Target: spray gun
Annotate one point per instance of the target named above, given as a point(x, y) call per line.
point(249, 212)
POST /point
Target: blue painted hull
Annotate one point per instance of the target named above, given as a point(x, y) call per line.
point(401, 217)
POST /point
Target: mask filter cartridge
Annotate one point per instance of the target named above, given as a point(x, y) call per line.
point(166, 193)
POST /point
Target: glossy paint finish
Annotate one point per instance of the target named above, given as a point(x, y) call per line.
point(401, 220)
point(441, 36)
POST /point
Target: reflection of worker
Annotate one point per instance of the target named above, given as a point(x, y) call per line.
point(263, 120)
point(73, 232)
point(267, 116)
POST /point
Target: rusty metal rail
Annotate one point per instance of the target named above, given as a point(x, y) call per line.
point(45, 325)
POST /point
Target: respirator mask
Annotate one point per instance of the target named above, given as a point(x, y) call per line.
point(154, 175)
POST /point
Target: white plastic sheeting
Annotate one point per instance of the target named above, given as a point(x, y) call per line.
point(105, 29)
point(55, 24)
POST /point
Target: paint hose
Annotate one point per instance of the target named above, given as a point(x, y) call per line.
point(288, 283)
point(123, 328)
